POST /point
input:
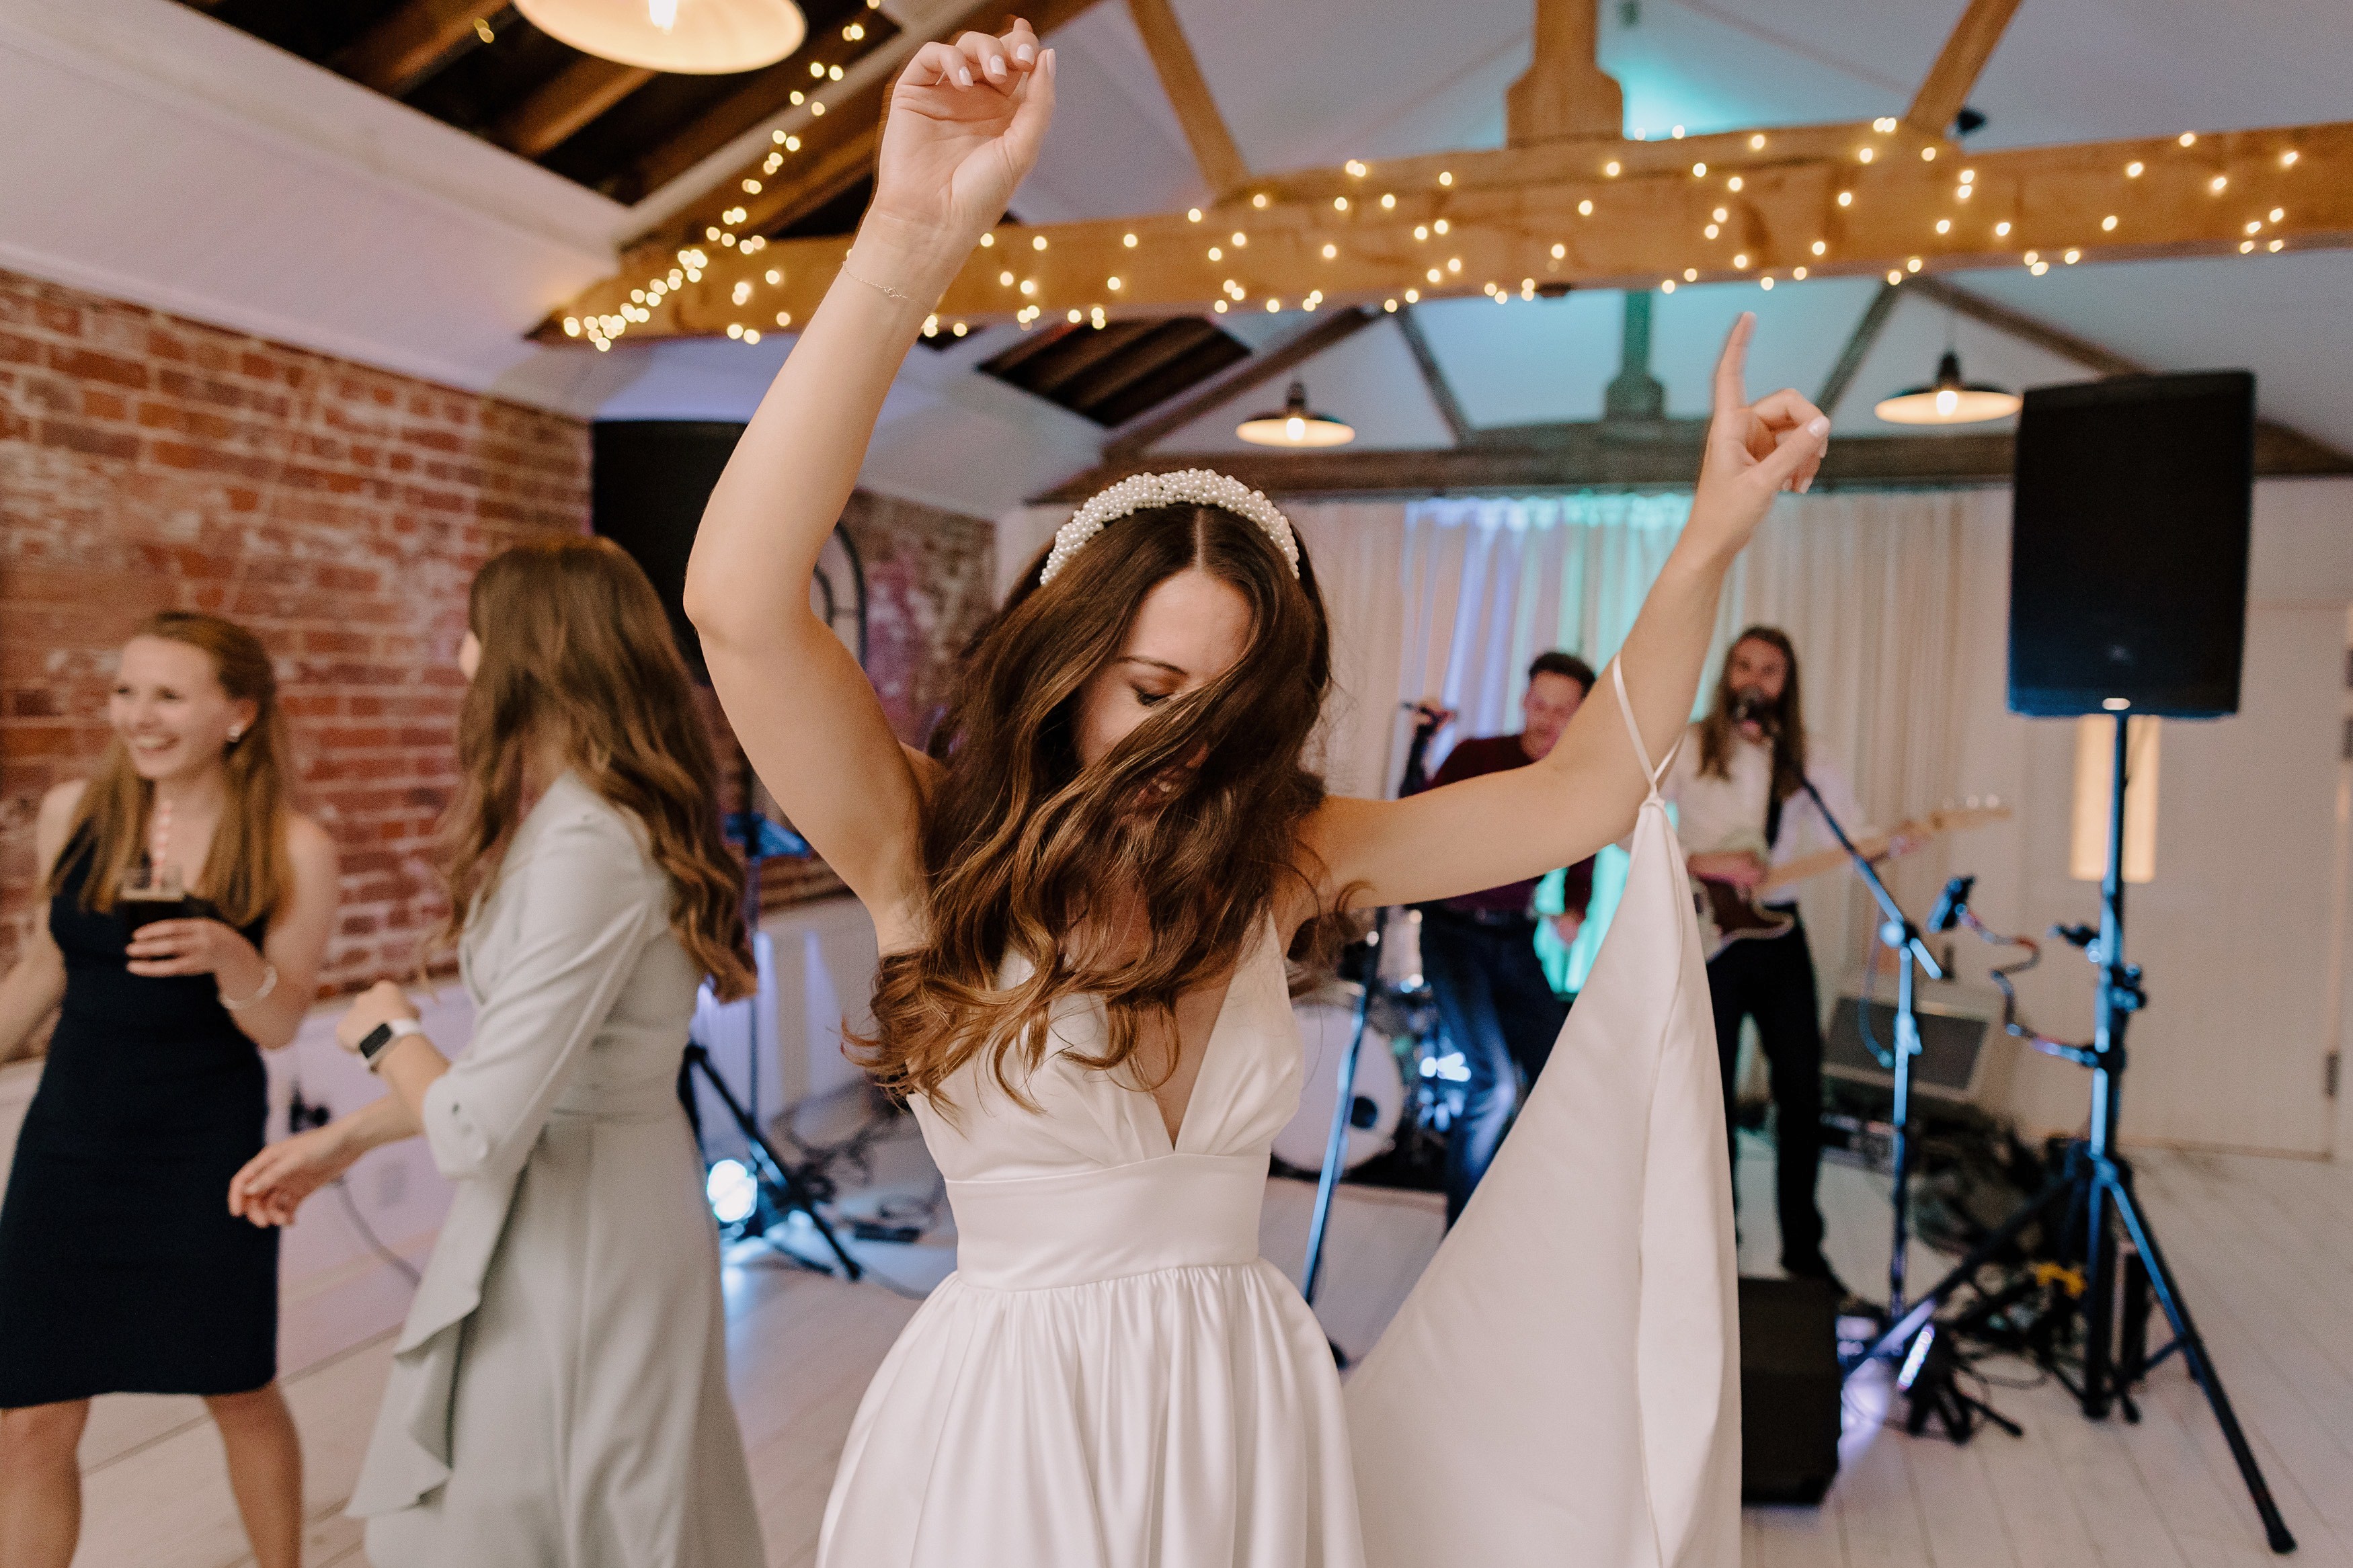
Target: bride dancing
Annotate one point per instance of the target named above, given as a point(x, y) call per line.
point(1083, 913)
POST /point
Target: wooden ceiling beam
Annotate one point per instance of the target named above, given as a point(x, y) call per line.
point(566, 102)
point(829, 144)
point(1958, 64)
point(1564, 92)
point(1176, 341)
point(1220, 160)
point(1237, 379)
point(1608, 454)
point(391, 56)
point(1088, 352)
point(1625, 231)
point(2024, 329)
point(1858, 345)
point(1433, 378)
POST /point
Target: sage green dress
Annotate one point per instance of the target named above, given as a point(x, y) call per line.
point(558, 1396)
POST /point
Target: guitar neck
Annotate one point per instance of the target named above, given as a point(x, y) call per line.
point(1814, 865)
point(1917, 831)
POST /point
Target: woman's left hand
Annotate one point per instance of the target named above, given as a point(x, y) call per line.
point(1755, 451)
point(196, 947)
point(379, 1004)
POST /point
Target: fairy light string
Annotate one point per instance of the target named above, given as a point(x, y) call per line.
point(1976, 216)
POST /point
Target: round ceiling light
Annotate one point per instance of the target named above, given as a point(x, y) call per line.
point(1948, 400)
point(702, 38)
point(1295, 425)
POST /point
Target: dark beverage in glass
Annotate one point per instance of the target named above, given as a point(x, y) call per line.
point(148, 894)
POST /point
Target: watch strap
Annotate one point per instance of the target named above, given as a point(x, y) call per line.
point(380, 1038)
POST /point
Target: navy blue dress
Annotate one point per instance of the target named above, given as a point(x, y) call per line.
point(122, 1271)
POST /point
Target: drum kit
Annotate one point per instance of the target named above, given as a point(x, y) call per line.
point(1408, 1080)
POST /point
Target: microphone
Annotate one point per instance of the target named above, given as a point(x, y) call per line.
point(1748, 708)
point(1951, 903)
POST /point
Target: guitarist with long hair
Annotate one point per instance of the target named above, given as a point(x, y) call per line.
point(1741, 808)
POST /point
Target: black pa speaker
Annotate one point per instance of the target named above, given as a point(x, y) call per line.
point(650, 481)
point(1791, 1390)
point(2128, 545)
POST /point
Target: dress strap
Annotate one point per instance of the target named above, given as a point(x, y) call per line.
point(1642, 753)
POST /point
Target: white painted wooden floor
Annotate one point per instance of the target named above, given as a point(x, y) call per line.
point(2264, 1248)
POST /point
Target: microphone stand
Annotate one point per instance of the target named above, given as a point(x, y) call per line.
point(1898, 933)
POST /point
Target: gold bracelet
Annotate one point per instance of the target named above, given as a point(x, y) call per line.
point(900, 296)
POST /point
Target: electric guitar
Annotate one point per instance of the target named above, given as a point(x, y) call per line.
point(1728, 914)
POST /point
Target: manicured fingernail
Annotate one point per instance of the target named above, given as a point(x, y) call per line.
point(1024, 53)
point(1805, 484)
point(963, 76)
point(1821, 426)
point(996, 66)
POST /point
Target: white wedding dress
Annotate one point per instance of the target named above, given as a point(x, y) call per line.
point(1113, 1378)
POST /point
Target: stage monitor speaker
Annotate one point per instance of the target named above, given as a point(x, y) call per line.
point(1791, 1390)
point(1952, 1045)
point(2128, 545)
point(646, 493)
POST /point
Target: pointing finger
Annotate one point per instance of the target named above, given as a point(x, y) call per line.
point(1732, 364)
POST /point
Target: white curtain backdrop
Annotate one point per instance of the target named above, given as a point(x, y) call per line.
point(1454, 597)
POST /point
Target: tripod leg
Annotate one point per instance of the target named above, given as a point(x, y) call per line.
point(790, 1181)
point(1897, 1336)
point(2201, 1366)
point(2099, 1302)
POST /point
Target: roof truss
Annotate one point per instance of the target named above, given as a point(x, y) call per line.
point(1560, 206)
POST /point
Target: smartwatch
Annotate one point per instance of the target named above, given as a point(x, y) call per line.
point(373, 1046)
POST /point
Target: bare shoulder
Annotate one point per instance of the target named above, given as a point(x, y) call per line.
point(1329, 834)
point(312, 846)
point(1321, 859)
point(55, 820)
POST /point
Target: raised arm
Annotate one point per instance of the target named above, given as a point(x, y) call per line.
point(965, 121)
point(1502, 827)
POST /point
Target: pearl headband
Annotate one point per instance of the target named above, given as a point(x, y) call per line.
point(1201, 487)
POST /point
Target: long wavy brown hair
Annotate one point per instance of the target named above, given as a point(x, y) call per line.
point(575, 644)
point(247, 875)
point(1788, 721)
point(1189, 823)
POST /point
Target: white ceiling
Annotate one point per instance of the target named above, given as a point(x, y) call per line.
point(149, 152)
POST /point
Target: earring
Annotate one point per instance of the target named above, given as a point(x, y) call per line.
point(235, 732)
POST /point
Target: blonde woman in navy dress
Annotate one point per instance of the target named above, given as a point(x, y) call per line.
point(120, 1268)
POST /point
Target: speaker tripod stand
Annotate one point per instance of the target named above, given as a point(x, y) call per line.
point(2100, 1184)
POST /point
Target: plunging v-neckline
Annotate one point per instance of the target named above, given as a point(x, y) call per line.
point(1208, 1045)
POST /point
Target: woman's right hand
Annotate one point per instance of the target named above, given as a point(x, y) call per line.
point(966, 122)
point(274, 1183)
point(1739, 868)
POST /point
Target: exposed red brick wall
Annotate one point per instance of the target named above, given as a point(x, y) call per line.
point(148, 462)
point(928, 586)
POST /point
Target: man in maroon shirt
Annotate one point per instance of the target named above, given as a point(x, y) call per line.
point(1479, 950)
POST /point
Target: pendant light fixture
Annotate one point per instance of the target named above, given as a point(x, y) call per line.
point(1295, 425)
point(701, 37)
point(1948, 400)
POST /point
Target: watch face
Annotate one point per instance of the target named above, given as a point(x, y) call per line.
point(373, 1041)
